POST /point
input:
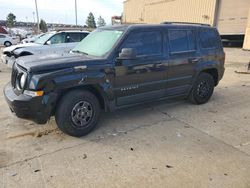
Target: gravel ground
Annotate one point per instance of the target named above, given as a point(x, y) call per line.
point(167, 144)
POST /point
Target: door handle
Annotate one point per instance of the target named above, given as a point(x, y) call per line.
point(195, 60)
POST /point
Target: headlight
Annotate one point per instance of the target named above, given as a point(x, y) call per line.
point(21, 82)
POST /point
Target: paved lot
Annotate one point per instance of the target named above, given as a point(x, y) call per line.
point(172, 144)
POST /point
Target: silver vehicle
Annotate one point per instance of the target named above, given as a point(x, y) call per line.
point(32, 39)
point(50, 43)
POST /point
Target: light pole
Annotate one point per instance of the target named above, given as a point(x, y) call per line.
point(26, 21)
point(37, 16)
point(34, 17)
point(76, 11)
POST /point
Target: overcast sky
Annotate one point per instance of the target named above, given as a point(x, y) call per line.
point(61, 11)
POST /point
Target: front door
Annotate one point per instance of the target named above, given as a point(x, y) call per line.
point(144, 78)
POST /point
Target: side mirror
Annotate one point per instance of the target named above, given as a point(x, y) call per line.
point(127, 54)
point(48, 42)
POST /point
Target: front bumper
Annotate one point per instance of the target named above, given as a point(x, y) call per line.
point(4, 58)
point(37, 109)
point(8, 60)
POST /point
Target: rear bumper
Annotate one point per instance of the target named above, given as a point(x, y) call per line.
point(221, 74)
point(37, 109)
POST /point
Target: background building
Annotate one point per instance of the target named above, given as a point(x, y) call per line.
point(231, 17)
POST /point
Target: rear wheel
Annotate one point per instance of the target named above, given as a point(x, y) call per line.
point(78, 113)
point(7, 44)
point(203, 89)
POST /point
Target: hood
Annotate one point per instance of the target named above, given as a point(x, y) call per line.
point(38, 63)
point(14, 47)
point(46, 49)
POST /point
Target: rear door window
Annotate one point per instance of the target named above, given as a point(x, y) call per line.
point(181, 41)
point(145, 43)
point(73, 37)
point(208, 38)
point(83, 35)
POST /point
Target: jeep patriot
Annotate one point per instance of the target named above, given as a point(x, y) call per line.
point(116, 67)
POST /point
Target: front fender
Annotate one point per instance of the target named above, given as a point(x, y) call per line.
point(21, 52)
point(62, 81)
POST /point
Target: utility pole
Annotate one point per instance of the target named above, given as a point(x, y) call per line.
point(76, 11)
point(37, 16)
point(34, 17)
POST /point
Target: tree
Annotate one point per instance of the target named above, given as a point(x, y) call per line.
point(101, 22)
point(91, 21)
point(11, 20)
point(43, 26)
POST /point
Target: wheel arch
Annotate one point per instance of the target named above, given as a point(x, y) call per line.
point(7, 42)
point(214, 73)
point(25, 53)
point(94, 89)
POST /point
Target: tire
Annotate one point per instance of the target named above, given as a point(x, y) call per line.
point(7, 44)
point(203, 89)
point(77, 113)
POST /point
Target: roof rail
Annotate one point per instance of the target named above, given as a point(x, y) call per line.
point(191, 23)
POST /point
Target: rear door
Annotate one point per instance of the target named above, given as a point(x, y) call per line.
point(183, 58)
point(143, 78)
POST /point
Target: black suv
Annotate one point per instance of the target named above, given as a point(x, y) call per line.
point(116, 67)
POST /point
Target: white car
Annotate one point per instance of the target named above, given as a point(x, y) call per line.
point(7, 40)
point(52, 42)
point(32, 39)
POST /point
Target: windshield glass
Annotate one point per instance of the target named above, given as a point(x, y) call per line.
point(98, 43)
point(43, 38)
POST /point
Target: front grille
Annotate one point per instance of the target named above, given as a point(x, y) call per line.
point(14, 75)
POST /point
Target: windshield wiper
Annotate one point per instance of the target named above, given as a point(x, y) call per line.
point(79, 52)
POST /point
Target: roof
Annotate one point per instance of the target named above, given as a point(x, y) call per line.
point(74, 31)
point(70, 30)
point(165, 24)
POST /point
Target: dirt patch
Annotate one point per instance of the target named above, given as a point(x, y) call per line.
point(37, 133)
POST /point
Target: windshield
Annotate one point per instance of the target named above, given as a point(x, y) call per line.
point(43, 38)
point(98, 43)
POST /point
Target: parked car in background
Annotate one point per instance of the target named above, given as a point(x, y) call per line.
point(116, 67)
point(7, 40)
point(51, 42)
point(32, 39)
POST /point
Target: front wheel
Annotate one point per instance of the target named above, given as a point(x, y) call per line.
point(202, 89)
point(77, 113)
point(7, 44)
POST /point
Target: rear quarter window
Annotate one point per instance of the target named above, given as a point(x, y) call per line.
point(181, 40)
point(208, 38)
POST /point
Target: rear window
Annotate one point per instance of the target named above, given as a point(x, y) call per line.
point(181, 41)
point(145, 43)
point(209, 38)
